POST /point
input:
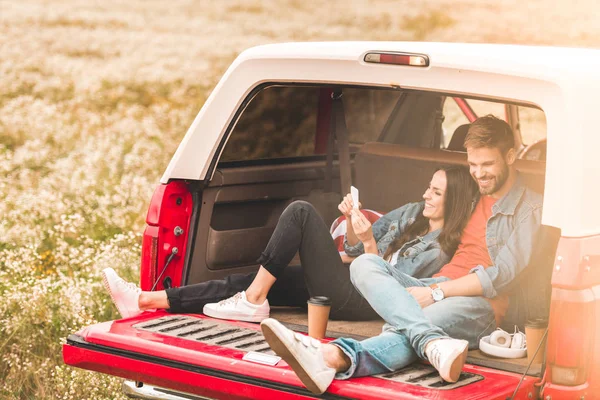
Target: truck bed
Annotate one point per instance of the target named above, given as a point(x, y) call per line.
point(203, 356)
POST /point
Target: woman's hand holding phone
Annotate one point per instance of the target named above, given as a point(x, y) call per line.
point(345, 208)
point(347, 205)
point(364, 231)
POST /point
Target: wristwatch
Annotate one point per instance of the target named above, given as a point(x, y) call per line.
point(436, 292)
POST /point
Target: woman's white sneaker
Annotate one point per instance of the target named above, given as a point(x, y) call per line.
point(238, 308)
point(448, 356)
point(302, 353)
point(125, 295)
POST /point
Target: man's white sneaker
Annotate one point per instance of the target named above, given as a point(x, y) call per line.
point(238, 308)
point(302, 353)
point(125, 295)
point(448, 356)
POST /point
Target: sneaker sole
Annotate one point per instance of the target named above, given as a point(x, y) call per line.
point(457, 365)
point(107, 287)
point(235, 317)
point(277, 345)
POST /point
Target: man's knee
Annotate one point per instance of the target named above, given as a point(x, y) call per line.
point(364, 266)
point(462, 317)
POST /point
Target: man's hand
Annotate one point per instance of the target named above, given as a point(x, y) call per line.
point(422, 295)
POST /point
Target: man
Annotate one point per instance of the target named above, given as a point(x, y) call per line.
point(437, 318)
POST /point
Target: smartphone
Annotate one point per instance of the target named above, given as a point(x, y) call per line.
point(354, 194)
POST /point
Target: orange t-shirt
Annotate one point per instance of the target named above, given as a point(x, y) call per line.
point(472, 251)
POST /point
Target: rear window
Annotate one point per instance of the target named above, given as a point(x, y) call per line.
point(292, 122)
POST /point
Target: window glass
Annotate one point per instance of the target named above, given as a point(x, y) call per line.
point(482, 107)
point(278, 122)
point(367, 111)
point(281, 122)
point(453, 118)
point(533, 124)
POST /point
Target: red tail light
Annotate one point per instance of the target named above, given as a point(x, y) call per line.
point(573, 350)
point(393, 58)
point(149, 257)
point(168, 222)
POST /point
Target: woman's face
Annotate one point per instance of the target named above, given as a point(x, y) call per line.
point(434, 197)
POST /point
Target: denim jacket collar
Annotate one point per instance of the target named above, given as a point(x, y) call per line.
point(508, 203)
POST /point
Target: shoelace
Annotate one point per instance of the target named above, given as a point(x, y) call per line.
point(434, 357)
point(128, 286)
point(233, 299)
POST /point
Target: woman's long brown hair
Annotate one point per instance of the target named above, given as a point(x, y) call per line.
point(461, 190)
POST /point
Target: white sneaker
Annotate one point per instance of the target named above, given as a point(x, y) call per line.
point(303, 354)
point(125, 295)
point(448, 356)
point(238, 308)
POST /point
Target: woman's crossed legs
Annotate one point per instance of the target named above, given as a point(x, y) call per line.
point(299, 230)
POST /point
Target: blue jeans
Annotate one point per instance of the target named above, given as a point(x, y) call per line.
point(408, 327)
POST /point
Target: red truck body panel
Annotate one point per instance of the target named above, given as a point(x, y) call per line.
point(119, 349)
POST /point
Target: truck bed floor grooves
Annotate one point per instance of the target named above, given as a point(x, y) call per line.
point(218, 333)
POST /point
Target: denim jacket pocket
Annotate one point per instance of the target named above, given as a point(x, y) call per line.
point(393, 229)
point(410, 252)
point(413, 248)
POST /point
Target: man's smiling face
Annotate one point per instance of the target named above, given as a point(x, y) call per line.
point(489, 167)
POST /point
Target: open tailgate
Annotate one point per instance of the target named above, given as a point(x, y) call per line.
point(203, 356)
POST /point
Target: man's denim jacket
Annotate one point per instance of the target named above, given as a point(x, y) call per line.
point(420, 257)
point(510, 234)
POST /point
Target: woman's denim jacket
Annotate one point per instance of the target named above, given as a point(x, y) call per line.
point(420, 257)
point(510, 235)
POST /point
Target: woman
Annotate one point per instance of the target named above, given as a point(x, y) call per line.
point(417, 238)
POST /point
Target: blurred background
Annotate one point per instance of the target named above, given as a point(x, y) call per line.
point(95, 96)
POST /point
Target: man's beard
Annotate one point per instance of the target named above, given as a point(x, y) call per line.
point(499, 181)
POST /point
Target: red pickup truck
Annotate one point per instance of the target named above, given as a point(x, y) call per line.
point(260, 142)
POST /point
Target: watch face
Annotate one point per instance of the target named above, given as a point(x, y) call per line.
point(437, 294)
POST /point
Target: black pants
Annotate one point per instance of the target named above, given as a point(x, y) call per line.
point(322, 272)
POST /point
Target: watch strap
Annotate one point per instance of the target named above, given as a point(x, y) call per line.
point(436, 289)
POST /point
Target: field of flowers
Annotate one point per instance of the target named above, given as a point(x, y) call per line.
point(96, 95)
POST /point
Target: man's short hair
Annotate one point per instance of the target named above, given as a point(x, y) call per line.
point(490, 131)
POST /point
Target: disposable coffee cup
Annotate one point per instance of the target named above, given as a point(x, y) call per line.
point(318, 315)
point(534, 331)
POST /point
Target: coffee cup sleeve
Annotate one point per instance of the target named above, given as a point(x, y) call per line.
point(500, 338)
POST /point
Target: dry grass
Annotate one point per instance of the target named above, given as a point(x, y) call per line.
point(95, 97)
